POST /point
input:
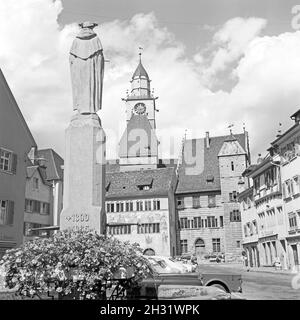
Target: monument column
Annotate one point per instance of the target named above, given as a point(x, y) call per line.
point(84, 167)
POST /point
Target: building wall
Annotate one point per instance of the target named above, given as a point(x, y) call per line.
point(206, 234)
point(43, 194)
point(159, 242)
point(290, 170)
point(229, 182)
point(14, 136)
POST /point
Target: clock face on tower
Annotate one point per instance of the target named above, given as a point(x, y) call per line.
point(140, 108)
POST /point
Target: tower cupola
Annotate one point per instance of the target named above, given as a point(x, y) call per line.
point(140, 83)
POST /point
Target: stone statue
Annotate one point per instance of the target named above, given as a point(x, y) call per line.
point(87, 69)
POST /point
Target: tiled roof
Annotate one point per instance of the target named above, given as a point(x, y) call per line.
point(125, 184)
point(140, 72)
point(138, 135)
point(114, 166)
point(193, 178)
point(54, 163)
point(42, 171)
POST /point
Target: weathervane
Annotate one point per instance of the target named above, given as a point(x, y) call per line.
point(229, 127)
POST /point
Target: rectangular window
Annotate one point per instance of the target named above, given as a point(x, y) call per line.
point(128, 206)
point(196, 202)
point(233, 196)
point(5, 160)
point(197, 223)
point(232, 166)
point(235, 216)
point(45, 208)
point(211, 201)
point(35, 183)
point(293, 220)
point(110, 207)
point(8, 161)
point(120, 229)
point(180, 203)
point(6, 213)
point(183, 246)
point(28, 205)
point(216, 244)
point(211, 222)
point(183, 223)
point(148, 205)
point(148, 228)
point(238, 244)
point(156, 204)
point(139, 206)
point(221, 222)
point(36, 206)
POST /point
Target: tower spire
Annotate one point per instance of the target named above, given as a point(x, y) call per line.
point(140, 53)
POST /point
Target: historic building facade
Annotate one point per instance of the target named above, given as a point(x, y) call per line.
point(249, 226)
point(38, 211)
point(140, 208)
point(206, 195)
point(267, 222)
point(54, 175)
point(287, 148)
point(43, 202)
point(16, 141)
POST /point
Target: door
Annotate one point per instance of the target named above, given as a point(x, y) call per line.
point(199, 249)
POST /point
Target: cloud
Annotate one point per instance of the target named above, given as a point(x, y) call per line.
point(34, 58)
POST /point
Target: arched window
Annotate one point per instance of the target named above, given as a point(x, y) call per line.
point(199, 243)
point(149, 252)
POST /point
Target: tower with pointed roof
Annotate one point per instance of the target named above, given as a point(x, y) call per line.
point(139, 145)
point(233, 160)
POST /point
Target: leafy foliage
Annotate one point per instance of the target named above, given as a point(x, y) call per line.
point(92, 258)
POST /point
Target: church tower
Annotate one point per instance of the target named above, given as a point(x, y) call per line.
point(139, 145)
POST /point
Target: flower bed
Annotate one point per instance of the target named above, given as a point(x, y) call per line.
point(57, 263)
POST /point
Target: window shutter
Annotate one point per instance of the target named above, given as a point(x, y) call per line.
point(14, 163)
point(10, 217)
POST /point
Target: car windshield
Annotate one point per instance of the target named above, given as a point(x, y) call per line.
point(161, 266)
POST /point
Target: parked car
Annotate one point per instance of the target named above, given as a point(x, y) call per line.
point(226, 281)
point(165, 285)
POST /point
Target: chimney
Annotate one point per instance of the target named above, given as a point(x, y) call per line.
point(259, 159)
point(207, 142)
point(296, 117)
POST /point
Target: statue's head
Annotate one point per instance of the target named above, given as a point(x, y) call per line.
point(88, 25)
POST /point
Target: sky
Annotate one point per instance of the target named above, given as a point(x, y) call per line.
point(212, 63)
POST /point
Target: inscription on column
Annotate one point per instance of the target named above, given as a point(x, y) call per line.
point(79, 222)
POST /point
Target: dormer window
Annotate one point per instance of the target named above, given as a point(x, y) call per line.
point(210, 178)
point(145, 185)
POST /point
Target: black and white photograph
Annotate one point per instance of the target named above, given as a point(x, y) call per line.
point(149, 152)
